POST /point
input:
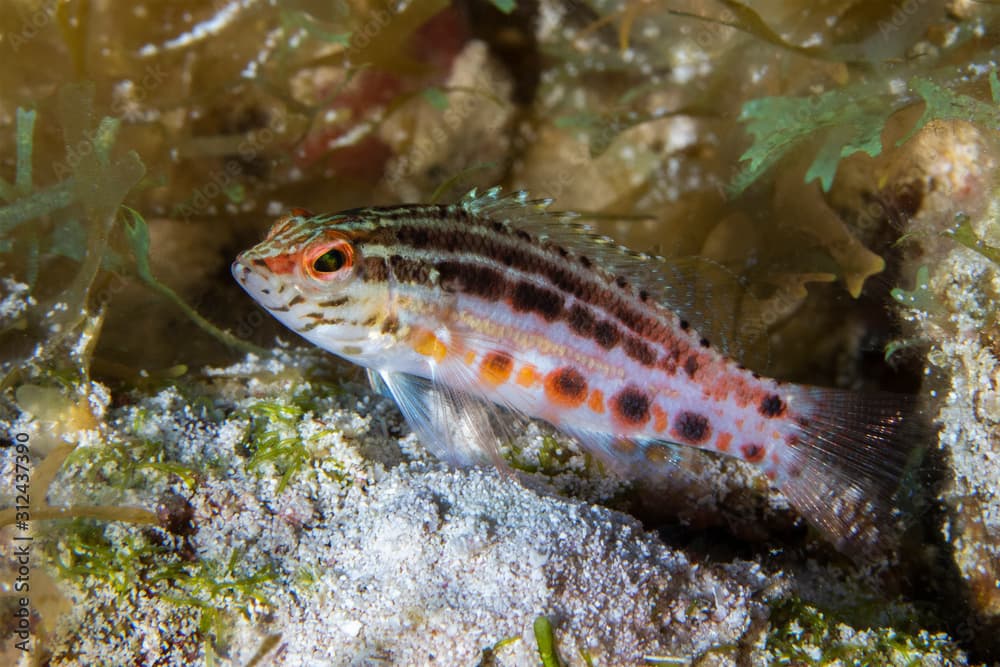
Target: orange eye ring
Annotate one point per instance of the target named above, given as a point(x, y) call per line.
point(328, 260)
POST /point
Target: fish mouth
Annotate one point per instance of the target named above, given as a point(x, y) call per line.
point(256, 285)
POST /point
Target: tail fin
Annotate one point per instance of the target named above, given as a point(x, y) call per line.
point(850, 466)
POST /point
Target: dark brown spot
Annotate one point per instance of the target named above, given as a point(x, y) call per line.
point(692, 427)
point(621, 281)
point(685, 325)
point(631, 405)
point(581, 320)
point(638, 350)
point(333, 303)
point(523, 235)
point(530, 297)
point(772, 406)
point(704, 342)
point(585, 262)
point(606, 334)
point(390, 324)
point(370, 321)
point(259, 262)
point(691, 366)
point(753, 453)
point(566, 386)
point(315, 323)
point(643, 295)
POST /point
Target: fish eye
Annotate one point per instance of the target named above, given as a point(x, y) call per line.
point(330, 261)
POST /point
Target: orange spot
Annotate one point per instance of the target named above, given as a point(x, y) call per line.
point(428, 345)
point(775, 459)
point(659, 418)
point(722, 444)
point(772, 474)
point(566, 387)
point(527, 376)
point(596, 402)
point(470, 356)
point(496, 368)
point(739, 424)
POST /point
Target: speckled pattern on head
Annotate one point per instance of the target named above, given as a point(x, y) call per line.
point(494, 301)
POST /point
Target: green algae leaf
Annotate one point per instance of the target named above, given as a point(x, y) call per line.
point(965, 235)
point(137, 232)
point(302, 20)
point(920, 297)
point(436, 98)
point(546, 642)
point(849, 121)
point(944, 104)
point(24, 139)
point(505, 6)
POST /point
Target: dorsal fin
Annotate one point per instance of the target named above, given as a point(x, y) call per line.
point(699, 290)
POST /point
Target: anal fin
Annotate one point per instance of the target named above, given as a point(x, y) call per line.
point(454, 426)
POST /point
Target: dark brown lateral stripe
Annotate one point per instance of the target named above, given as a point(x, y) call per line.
point(482, 281)
point(406, 270)
point(581, 320)
point(530, 297)
point(606, 334)
point(374, 269)
point(436, 228)
point(638, 350)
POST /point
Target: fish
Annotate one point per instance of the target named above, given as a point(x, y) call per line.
point(479, 315)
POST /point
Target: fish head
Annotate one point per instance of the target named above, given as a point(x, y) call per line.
point(309, 273)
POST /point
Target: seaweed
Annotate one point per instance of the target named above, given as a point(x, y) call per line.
point(148, 564)
point(138, 234)
point(849, 120)
point(964, 234)
point(78, 218)
point(274, 440)
point(546, 641)
point(802, 634)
